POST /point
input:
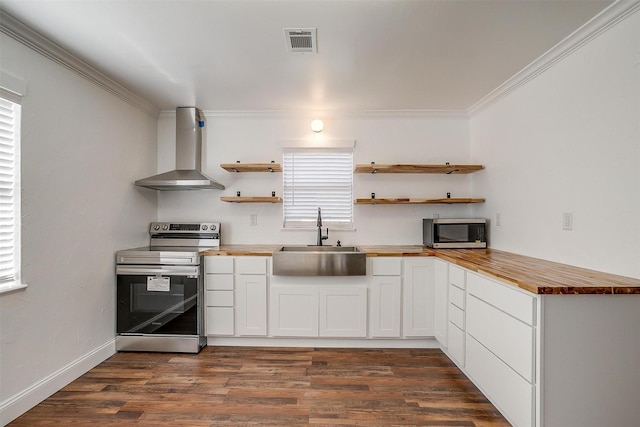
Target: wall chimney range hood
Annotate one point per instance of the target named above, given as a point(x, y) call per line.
point(186, 175)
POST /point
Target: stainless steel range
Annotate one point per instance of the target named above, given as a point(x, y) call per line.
point(160, 289)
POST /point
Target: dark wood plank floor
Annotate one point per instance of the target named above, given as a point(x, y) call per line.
point(270, 386)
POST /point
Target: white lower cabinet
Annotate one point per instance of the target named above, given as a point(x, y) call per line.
point(418, 299)
point(219, 296)
point(343, 312)
point(293, 311)
point(251, 295)
point(385, 302)
point(456, 321)
point(501, 346)
point(312, 311)
point(440, 301)
point(251, 311)
point(236, 295)
point(512, 394)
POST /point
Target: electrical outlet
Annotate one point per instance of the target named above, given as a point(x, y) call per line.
point(253, 220)
point(567, 221)
point(498, 220)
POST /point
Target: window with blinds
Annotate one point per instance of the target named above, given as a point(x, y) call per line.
point(315, 179)
point(9, 192)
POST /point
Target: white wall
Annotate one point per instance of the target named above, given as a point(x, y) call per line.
point(251, 138)
point(568, 141)
point(81, 150)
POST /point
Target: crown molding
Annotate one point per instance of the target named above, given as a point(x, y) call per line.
point(353, 114)
point(24, 34)
point(608, 18)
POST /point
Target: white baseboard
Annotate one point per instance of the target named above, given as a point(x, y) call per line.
point(13, 407)
point(426, 342)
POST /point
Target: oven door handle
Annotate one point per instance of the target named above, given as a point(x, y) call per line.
point(191, 271)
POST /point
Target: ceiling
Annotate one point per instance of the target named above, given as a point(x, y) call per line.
point(231, 55)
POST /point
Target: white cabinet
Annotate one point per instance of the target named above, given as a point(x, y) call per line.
point(236, 295)
point(385, 304)
point(456, 285)
point(501, 346)
point(440, 301)
point(251, 293)
point(418, 299)
point(343, 312)
point(303, 310)
point(293, 311)
point(219, 296)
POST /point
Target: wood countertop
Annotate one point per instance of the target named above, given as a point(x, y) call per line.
point(531, 274)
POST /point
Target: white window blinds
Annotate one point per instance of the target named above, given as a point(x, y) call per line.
point(9, 193)
point(318, 179)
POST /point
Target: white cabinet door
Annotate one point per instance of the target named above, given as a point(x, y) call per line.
point(386, 307)
point(293, 311)
point(418, 285)
point(251, 304)
point(440, 300)
point(343, 312)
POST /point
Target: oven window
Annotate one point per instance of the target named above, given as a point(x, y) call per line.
point(145, 311)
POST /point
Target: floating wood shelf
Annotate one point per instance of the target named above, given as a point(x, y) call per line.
point(251, 199)
point(412, 168)
point(399, 201)
point(251, 167)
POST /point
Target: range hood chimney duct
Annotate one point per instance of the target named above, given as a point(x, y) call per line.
point(186, 175)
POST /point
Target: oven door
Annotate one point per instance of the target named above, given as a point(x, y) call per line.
point(159, 300)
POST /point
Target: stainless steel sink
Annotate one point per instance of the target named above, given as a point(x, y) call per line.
point(319, 261)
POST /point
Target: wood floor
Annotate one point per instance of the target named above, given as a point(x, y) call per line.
point(270, 386)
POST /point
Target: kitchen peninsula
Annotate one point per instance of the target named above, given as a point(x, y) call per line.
point(549, 344)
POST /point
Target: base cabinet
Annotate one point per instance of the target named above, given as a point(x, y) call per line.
point(385, 299)
point(236, 295)
point(251, 312)
point(293, 311)
point(343, 312)
point(418, 299)
point(440, 301)
point(311, 311)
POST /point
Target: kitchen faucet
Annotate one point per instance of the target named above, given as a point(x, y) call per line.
point(319, 225)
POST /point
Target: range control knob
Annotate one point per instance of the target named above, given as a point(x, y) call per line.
point(165, 227)
point(204, 228)
point(156, 227)
point(213, 227)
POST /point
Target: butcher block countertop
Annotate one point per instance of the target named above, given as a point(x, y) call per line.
point(531, 274)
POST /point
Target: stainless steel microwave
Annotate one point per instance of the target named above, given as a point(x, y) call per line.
point(440, 233)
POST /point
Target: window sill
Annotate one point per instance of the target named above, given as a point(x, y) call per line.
point(13, 287)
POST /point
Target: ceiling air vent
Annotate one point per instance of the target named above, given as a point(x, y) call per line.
point(301, 39)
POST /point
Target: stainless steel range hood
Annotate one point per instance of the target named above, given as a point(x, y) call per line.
point(187, 175)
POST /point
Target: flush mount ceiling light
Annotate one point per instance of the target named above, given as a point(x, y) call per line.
point(317, 125)
point(301, 39)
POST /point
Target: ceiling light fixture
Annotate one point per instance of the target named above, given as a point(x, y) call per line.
point(317, 125)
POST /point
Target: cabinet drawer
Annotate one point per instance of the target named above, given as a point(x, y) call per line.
point(511, 393)
point(219, 321)
point(456, 276)
point(455, 343)
point(218, 264)
point(219, 282)
point(456, 316)
point(251, 265)
point(506, 337)
point(516, 303)
point(219, 298)
point(386, 266)
point(456, 296)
